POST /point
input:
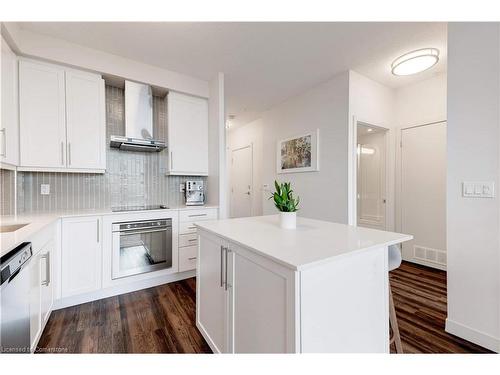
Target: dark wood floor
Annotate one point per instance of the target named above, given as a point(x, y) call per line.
point(420, 299)
point(155, 320)
point(162, 319)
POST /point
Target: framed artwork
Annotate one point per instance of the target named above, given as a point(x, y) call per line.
point(298, 154)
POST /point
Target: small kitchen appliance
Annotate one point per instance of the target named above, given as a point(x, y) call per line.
point(195, 193)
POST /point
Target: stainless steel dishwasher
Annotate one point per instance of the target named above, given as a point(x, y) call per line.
point(14, 300)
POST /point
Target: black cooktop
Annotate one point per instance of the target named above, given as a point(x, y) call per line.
point(139, 208)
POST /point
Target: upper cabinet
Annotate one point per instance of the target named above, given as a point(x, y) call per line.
point(9, 128)
point(62, 119)
point(187, 135)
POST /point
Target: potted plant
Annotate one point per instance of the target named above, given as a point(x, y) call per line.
point(286, 203)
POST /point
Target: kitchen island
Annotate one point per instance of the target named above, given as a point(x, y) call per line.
point(320, 288)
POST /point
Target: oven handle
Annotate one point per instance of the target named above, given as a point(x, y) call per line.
point(131, 231)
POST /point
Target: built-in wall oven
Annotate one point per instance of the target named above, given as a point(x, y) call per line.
point(141, 246)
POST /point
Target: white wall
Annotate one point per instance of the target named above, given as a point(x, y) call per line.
point(323, 194)
point(473, 155)
point(250, 134)
point(421, 103)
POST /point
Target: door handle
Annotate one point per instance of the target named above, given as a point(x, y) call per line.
point(221, 261)
point(46, 256)
point(225, 271)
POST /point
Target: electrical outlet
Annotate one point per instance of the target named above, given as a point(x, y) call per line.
point(45, 189)
point(182, 187)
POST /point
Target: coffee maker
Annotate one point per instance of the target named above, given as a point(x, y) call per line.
point(195, 193)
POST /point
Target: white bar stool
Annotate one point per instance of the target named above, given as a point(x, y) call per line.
point(395, 259)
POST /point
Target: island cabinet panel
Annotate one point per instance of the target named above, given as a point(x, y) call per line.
point(261, 310)
point(344, 305)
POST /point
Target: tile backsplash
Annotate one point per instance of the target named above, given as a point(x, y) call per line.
point(131, 178)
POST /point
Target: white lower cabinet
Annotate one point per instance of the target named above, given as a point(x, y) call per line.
point(41, 291)
point(81, 255)
point(245, 303)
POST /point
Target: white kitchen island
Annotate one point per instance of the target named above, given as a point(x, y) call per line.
point(320, 288)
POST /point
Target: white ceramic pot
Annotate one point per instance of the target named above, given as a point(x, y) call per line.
point(288, 220)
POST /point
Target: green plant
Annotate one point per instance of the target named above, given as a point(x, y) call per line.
point(283, 197)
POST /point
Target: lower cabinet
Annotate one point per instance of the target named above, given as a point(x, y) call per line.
point(81, 258)
point(41, 291)
point(245, 302)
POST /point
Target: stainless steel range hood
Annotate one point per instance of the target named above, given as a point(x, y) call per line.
point(138, 121)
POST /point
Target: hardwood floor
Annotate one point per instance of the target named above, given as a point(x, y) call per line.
point(154, 320)
point(420, 298)
point(162, 319)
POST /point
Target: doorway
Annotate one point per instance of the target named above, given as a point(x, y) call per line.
point(423, 193)
point(241, 181)
point(371, 152)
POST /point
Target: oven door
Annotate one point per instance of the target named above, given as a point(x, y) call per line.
point(141, 246)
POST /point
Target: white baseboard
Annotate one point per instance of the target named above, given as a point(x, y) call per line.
point(121, 289)
point(472, 335)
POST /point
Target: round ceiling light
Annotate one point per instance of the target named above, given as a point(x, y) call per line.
point(415, 61)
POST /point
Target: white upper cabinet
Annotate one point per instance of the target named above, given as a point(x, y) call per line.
point(62, 119)
point(187, 135)
point(42, 115)
point(9, 128)
point(85, 120)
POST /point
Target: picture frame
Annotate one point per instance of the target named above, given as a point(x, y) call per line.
point(298, 153)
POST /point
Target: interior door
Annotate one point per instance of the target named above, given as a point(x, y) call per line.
point(211, 293)
point(42, 115)
point(86, 132)
point(423, 193)
point(241, 182)
point(371, 180)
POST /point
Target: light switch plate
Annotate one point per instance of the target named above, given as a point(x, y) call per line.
point(485, 189)
point(45, 189)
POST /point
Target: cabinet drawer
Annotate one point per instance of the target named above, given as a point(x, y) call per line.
point(187, 258)
point(187, 228)
point(198, 214)
point(188, 240)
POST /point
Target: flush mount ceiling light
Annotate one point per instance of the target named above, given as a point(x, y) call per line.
point(415, 61)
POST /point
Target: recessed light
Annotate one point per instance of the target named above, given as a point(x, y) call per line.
point(369, 130)
point(415, 61)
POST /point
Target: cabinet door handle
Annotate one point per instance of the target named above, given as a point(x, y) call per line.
point(171, 160)
point(46, 282)
point(225, 271)
point(62, 152)
point(4, 141)
point(69, 153)
point(221, 261)
point(97, 230)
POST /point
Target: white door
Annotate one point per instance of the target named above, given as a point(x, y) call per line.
point(42, 115)
point(371, 182)
point(241, 182)
point(81, 255)
point(187, 135)
point(260, 304)
point(211, 293)
point(423, 193)
point(9, 129)
point(85, 116)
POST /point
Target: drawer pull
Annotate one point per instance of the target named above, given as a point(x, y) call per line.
point(193, 239)
point(193, 227)
point(192, 258)
point(197, 215)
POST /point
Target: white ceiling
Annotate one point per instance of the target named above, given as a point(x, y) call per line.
point(264, 63)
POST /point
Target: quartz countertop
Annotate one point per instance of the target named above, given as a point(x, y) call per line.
point(313, 241)
point(37, 221)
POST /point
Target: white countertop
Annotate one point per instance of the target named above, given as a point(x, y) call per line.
point(312, 242)
point(38, 221)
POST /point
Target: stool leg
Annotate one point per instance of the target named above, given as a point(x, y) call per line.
point(394, 323)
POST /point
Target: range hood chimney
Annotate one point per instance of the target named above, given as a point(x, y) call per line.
point(138, 121)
